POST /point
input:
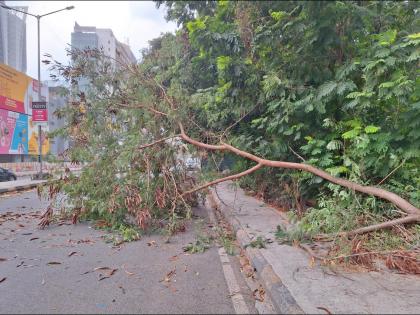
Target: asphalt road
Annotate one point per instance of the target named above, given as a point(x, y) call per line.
point(56, 270)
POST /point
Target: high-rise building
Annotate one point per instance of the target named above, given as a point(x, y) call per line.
point(124, 54)
point(13, 38)
point(57, 100)
point(84, 37)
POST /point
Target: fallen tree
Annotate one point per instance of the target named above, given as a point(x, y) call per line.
point(127, 126)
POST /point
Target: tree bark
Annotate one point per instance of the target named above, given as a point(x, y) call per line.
point(399, 202)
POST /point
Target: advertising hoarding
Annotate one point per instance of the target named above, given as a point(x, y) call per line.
point(33, 144)
point(14, 132)
point(15, 90)
point(18, 129)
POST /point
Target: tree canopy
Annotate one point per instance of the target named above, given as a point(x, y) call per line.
point(331, 85)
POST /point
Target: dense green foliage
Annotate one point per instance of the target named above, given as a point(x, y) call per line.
point(333, 83)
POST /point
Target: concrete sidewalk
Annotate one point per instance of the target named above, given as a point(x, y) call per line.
point(25, 183)
point(294, 284)
point(18, 185)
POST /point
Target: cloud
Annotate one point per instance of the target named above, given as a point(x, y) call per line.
point(137, 21)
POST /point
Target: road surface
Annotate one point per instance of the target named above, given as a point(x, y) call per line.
point(63, 269)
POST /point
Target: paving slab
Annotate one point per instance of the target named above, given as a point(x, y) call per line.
point(297, 284)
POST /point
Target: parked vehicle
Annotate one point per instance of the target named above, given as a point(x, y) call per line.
point(6, 175)
point(193, 163)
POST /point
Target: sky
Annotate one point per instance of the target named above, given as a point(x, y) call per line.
point(134, 21)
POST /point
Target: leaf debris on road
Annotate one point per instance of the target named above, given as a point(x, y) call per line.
point(259, 293)
point(169, 276)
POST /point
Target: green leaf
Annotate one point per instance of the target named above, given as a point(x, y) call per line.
point(279, 15)
point(414, 36)
point(326, 89)
point(223, 62)
point(387, 38)
point(351, 134)
point(372, 129)
point(334, 145)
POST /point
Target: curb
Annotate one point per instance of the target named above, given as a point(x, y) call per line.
point(24, 187)
point(19, 188)
point(282, 300)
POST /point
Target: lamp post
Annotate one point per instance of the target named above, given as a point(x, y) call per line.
point(38, 17)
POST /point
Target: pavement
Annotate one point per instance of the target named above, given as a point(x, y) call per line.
point(297, 285)
point(18, 185)
point(64, 269)
point(24, 182)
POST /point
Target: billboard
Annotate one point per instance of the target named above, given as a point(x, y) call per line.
point(15, 90)
point(39, 111)
point(33, 144)
point(14, 132)
point(18, 131)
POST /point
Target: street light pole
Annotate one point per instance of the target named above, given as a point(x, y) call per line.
point(38, 17)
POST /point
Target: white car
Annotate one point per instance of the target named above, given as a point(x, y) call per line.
point(193, 163)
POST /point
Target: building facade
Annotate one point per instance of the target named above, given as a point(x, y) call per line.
point(58, 98)
point(85, 37)
point(13, 38)
point(124, 55)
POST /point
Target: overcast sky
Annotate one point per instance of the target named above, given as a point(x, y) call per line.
point(136, 21)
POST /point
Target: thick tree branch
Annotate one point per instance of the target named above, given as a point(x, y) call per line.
point(370, 190)
point(217, 181)
point(385, 225)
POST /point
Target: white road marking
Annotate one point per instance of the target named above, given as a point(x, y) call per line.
point(234, 290)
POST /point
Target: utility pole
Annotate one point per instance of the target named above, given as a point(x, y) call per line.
point(39, 96)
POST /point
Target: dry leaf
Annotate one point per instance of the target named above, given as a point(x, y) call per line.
point(126, 271)
point(110, 273)
point(169, 276)
point(259, 293)
point(324, 309)
point(173, 258)
point(102, 268)
point(122, 289)
point(312, 262)
point(151, 243)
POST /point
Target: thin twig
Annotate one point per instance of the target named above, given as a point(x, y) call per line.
point(295, 153)
point(392, 172)
point(239, 120)
point(157, 142)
